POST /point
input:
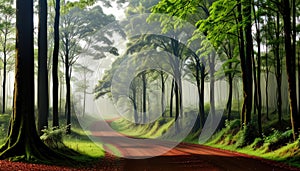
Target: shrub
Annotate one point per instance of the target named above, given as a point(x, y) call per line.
point(232, 124)
point(278, 139)
point(258, 142)
point(247, 135)
point(53, 138)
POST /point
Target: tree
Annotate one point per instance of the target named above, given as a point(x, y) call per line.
point(23, 142)
point(6, 30)
point(73, 37)
point(55, 66)
point(83, 82)
point(290, 66)
point(43, 97)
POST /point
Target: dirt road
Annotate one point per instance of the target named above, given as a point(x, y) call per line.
point(182, 157)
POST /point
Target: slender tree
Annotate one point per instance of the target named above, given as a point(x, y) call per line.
point(43, 97)
point(55, 66)
point(23, 142)
point(6, 28)
point(290, 67)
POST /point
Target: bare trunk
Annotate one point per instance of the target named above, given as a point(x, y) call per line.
point(278, 70)
point(290, 67)
point(144, 97)
point(43, 96)
point(55, 83)
point(162, 93)
point(68, 89)
point(4, 80)
point(171, 98)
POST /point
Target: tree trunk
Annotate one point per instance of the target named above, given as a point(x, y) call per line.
point(278, 70)
point(243, 62)
point(212, 83)
point(55, 66)
point(162, 93)
point(135, 115)
point(229, 101)
point(177, 106)
point(144, 96)
point(198, 83)
point(23, 142)
point(201, 98)
point(267, 83)
point(258, 85)
point(171, 98)
point(249, 53)
point(246, 58)
point(290, 67)
point(43, 97)
point(84, 102)
point(4, 78)
point(68, 89)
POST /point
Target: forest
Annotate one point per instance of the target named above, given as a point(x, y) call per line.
point(150, 84)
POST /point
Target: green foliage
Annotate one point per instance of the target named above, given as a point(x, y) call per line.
point(232, 124)
point(4, 124)
point(277, 139)
point(247, 135)
point(53, 138)
point(258, 142)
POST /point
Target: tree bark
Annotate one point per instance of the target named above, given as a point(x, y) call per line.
point(249, 53)
point(162, 93)
point(4, 75)
point(144, 97)
point(259, 104)
point(212, 83)
point(68, 89)
point(43, 97)
point(290, 67)
point(278, 70)
point(243, 62)
point(23, 142)
point(55, 66)
point(171, 98)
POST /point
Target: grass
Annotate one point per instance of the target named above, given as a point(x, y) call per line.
point(79, 141)
point(150, 130)
point(276, 143)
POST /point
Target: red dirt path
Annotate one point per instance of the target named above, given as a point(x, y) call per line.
point(183, 157)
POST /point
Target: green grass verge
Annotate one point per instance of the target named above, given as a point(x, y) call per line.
point(150, 130)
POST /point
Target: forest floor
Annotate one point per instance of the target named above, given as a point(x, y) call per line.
point(184, 156)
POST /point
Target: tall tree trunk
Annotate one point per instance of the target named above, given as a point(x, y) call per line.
point(258, 85)
point(43, 97)
point(229, 101)
point(68, 89)
point(212, 83)
point(267, 83)
point(144, 96)
point(162, 93)
point(55, 66)
point(278, 70)
point(242, 58)
point(23, 142)
point(171, 98)
point(255, 104)
point(177, 105)
point(249, 52)
point(198, 83)
point(84, 102)
point(135, 115)
point(4, 75)
point(201, 98)
point(290, 67)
